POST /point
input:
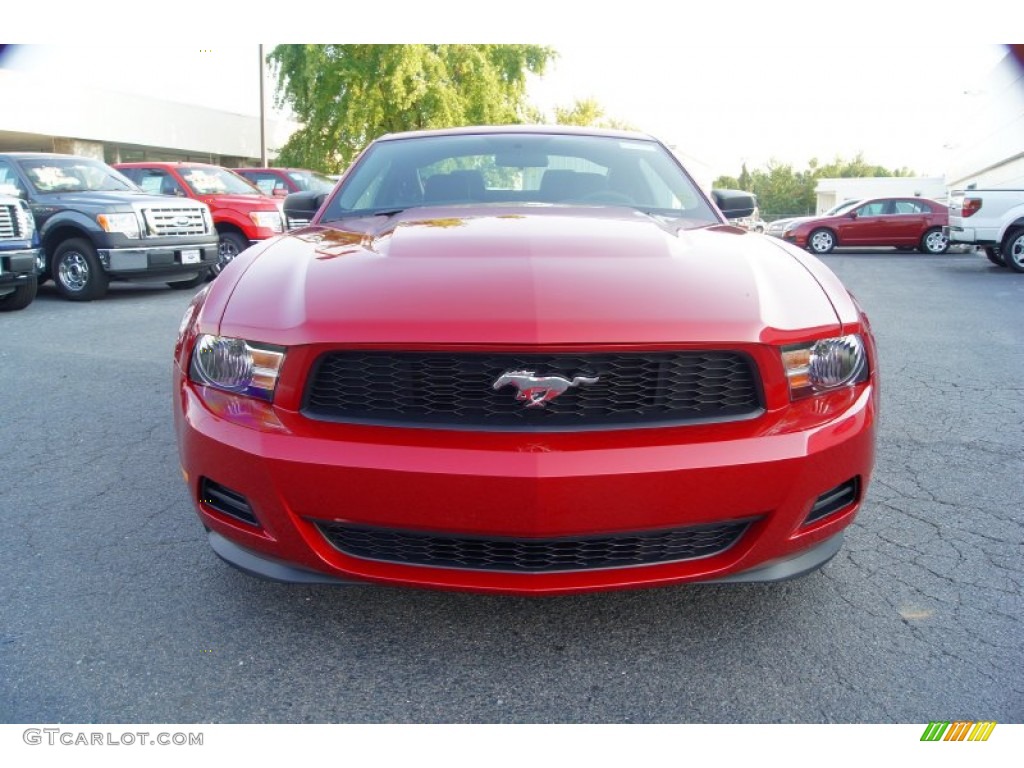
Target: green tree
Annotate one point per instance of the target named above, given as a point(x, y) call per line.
point(347, 95)
point(782, 191)
point(589, 112)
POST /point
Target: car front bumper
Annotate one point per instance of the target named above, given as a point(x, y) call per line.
point(157, 261)
point(298, 477)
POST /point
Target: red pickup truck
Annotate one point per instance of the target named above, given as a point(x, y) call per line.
point(241, 213)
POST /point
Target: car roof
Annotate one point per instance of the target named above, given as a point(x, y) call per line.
point(169, 163)
point(565, 130)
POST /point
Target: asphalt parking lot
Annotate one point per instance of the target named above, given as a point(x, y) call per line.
point(114, 609)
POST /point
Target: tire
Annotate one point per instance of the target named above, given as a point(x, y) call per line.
point(20, 298)
point(934, 242)
point(1012, 249)
point(195, 282)
point(821, 241)
point(230, 245)
point(994, 256)
point(77, 271)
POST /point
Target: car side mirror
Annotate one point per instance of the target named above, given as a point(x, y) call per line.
point(734, 203)
point(303, 205)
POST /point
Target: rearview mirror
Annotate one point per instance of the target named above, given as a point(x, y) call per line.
point(734, 203)
point(303, 205)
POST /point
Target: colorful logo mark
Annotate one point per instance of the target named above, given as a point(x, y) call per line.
point(961, 730)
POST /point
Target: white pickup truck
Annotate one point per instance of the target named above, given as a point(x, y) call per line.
point(992, 219)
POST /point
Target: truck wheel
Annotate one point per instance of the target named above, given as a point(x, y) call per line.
point(934, 242)
point(195, 282)
point(230, 246)
point(20, 298)
point(821, 241)
point(77, 271)
point(994, 256)
point(1012, 250)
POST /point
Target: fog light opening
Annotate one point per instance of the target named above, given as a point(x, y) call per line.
point(222, 499)
point(835, 500)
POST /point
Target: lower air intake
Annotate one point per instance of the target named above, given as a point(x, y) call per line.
point(534, 555)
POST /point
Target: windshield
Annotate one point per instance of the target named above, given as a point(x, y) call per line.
point(519, 168)
point(211, 180)
point(308, 181)
point(841, 208)
point(74, 174)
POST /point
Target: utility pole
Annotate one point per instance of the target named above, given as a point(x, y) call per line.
point(263, 117)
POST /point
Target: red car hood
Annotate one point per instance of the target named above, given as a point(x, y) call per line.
point(243, 203)
point(519, 276)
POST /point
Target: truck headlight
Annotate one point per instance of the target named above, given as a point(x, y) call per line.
point(26, 221)
point(125, 223)
point(825, 365)
point(236, 365)
point(267, 220)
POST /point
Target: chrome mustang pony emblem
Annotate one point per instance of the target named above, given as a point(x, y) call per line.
point(538, 390)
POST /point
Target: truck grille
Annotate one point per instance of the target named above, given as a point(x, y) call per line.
point(534, 555)
point(175, 221)
point(456, 390)
point(9, 225)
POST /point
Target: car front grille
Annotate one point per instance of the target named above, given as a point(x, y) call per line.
point(518, 555)
point(9, 228)
point(456, 390)
point(174, 221)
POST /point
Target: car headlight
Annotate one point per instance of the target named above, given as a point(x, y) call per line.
point(825, 365)
point(125, 223)
point(236, 365)
point(267, 220)
point(26, 221)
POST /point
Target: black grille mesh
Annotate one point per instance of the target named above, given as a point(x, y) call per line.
point(456, 389)
point(533, 555)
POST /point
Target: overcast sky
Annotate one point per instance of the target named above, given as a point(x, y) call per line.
point(723, 89)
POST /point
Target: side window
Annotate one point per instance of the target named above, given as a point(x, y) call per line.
point(909, 207)
point(876, 208)
point(157, 182)
point(10, 184)
point(267, 182)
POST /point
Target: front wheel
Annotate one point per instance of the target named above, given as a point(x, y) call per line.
point(20, 298)
point(77, 271)
point(230, 246)
point(821, 241)
point(1012, 250)
point(934, 242)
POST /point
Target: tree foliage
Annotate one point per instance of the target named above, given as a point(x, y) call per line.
point(347, 95)
point(783, 191)
point(589, 112)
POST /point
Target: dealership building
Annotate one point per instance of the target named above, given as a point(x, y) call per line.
point(120, 128)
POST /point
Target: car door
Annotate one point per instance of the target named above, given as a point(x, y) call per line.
point(866, 225)
point(907, 222)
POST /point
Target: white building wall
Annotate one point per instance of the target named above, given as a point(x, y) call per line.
point(988, 148)
point(93, 114)
point(830, 192)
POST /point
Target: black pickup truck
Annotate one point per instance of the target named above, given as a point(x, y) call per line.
point(96, 226)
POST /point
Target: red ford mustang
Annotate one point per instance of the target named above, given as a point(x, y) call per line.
point(524, 360)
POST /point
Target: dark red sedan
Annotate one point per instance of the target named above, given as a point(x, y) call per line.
point(901, 222)
point(524, 360)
